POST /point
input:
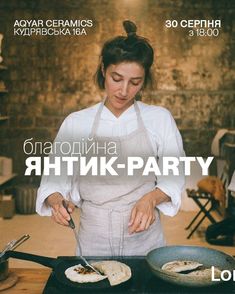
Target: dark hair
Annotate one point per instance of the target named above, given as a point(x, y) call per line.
point(131, 48)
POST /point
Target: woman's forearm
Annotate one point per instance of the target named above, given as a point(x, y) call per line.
point(158, 196)
point(53, 199)
point(59, 213)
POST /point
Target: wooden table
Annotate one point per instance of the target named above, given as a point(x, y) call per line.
point(31, 281)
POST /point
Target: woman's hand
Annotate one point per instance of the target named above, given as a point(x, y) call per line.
point(143, 213)
point(59, 213)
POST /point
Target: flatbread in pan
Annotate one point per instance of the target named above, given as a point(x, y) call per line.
point(178, 266)
point(205, 273)
point(79, 274)
point(116, 272)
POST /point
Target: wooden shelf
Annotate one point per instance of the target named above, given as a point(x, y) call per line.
point(4, 117)
point(4, 179)
point(3, 91)
point(2, 67)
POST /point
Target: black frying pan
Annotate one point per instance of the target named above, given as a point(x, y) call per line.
point(59, 265)
point(208, 257)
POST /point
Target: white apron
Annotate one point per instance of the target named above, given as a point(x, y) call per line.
point(107, 201)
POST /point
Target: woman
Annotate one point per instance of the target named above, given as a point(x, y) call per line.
point(119, 214)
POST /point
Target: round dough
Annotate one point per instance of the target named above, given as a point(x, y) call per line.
point(178, 266)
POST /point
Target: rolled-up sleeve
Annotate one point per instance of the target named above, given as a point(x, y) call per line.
point(172, 185)
point(62, 183)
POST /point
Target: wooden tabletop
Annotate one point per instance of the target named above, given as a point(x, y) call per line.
point(31, 281)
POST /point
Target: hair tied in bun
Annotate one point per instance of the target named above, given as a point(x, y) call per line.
point(129, 47)
point(130, 28)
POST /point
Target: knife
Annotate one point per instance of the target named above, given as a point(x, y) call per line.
point(72, 226)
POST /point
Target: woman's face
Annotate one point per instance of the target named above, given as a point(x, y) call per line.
point(122, 82)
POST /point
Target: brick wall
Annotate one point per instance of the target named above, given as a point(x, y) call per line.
point(50, 76)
